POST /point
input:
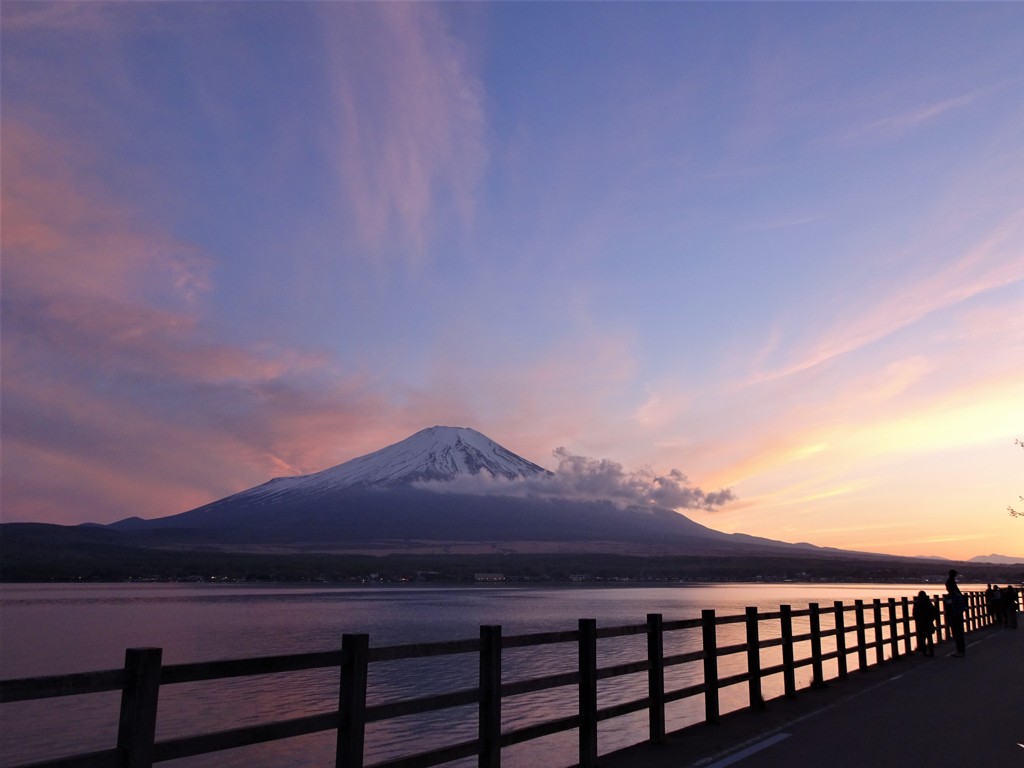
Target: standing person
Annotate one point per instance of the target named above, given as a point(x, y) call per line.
point(924, 623)
point(1000, 607)
point(1010, 606)
point(955, 606)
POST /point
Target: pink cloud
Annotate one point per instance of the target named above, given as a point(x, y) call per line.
point(65, 236)
point(116, 400)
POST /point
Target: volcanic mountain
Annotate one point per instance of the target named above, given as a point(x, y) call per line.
point(439, 454)
point(412, 495)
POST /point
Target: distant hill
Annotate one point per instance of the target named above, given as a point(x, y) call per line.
point(1000, 559)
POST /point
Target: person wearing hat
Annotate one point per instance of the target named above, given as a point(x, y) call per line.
point(955, 606)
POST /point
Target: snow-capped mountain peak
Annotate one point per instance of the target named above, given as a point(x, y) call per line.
point(436, 453)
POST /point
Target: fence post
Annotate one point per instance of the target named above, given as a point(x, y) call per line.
point(707, 618)
point(788, 660)
point(656, 677)
point(355, 657)
point(490, 697)
point(862, 638)
point(754, 661)
point(816, 664)
point(905, 609)
point(136, 730)
point(940, 620)
point(588, 692)
point(840, 638)
point(879, 635)
point(894, 637)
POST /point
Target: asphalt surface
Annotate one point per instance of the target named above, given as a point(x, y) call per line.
point(937, 712)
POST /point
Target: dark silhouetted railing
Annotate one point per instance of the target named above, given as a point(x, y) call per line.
point(143, 675)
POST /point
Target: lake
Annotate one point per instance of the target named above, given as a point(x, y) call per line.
point(56, 629)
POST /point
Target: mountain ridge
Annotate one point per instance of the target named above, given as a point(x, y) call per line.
point(997, 559)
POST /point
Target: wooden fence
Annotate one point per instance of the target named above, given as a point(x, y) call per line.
point(877, 628)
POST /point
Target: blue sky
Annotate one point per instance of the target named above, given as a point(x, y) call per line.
point(777, 246)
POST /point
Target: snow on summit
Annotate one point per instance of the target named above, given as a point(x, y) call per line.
point(437, 454)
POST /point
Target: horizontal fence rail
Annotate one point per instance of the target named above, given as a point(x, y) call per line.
point(861, 631)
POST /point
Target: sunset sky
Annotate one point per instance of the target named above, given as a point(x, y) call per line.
point(779, 247)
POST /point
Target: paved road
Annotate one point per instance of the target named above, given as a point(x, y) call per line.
point(941, 712)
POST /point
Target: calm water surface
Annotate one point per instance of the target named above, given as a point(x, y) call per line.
point(55, 629)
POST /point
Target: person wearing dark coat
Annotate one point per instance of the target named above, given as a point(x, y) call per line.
point(925, 615)
point(955, 607)
point(999, 605)
point(1009, 598)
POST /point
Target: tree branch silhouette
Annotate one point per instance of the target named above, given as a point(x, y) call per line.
point(1013, 511)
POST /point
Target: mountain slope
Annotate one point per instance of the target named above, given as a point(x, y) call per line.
point(437, 453)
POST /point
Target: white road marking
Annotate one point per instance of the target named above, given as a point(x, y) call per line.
point(745, 753)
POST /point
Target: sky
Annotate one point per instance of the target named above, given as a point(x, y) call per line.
point(774, 250)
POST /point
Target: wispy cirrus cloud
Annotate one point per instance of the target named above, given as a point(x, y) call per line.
point(905, 120)
point(405, 128)
point(990, 263)
point(51, 16)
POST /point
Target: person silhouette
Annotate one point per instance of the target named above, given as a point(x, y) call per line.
point(955, 606)
point(1009, 598)
point(999, 605)
point(925, 615)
